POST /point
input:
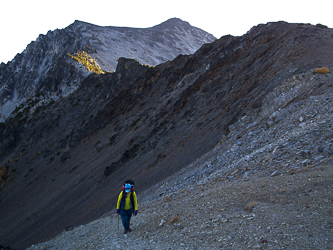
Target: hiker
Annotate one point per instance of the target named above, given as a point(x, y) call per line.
point(127, 204)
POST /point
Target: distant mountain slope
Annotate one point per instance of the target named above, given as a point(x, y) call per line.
point(63, 163)
point(47, 70)
point(149, 46)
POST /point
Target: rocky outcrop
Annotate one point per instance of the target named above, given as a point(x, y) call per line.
point(66, 160)
point(46, 69)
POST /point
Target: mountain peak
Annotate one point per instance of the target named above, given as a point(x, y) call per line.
point(173, 22)
point(103, 45)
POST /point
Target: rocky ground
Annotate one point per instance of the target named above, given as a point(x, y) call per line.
point(269, 185)
point(238, 109)
point(282, 212)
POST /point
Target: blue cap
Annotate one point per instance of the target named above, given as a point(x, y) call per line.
point(127, 187)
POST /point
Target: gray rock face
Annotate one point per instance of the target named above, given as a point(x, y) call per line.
point(149, 46)
point(45, 68)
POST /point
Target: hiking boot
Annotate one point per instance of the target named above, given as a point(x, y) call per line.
point(126, 231)
point(129, 229)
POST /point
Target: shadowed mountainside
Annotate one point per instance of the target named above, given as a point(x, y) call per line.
point(47, 70)
point(66, 160)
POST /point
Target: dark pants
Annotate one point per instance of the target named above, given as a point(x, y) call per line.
point(126, 217)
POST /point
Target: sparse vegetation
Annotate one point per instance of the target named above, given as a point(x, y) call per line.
point(249, 206)
point(6, 175)
point(2, 172)
point(166, 198)
point(322, 70)
point(87, 62)
point(174, 220)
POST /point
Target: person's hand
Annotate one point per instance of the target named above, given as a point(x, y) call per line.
point(135, 212)
point(117, 211)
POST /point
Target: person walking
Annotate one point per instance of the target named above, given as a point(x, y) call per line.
point(127, 204)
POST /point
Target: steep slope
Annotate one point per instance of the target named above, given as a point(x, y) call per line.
point(269, 185)
point(146, 123)
point(47, 69)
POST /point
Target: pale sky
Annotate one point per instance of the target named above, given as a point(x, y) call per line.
point(21, 21)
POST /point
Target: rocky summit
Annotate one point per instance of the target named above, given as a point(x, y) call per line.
point(55, 64)
point(230, 147)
